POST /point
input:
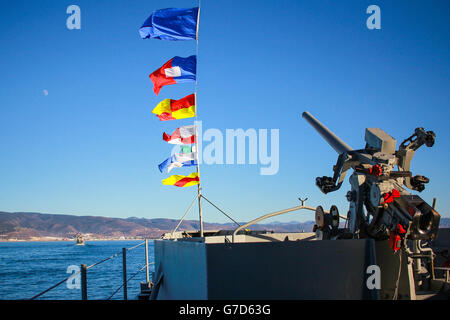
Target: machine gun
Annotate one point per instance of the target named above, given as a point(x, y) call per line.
point(380, 206)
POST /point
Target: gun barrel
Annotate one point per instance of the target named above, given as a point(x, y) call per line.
point(333, 140)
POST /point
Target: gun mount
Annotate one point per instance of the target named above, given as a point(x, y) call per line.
point(380, 206)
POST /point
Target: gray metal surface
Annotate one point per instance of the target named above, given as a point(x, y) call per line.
point(442, 240)
point(334, 141)
point(380, 140)
point(183, 267)
point(265, 270)
point(388, 209)
point(389, 263)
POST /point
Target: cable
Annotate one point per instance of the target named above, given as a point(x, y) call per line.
point(129, 280)
point(219, 209)
point(76, 273)
point(395, 296)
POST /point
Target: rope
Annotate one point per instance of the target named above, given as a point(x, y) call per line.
point(114, 255)
point(145, 266)
point(219, 209)
point(182, 218)
point(54, 286)
point(199, 188)
point(140, 244)
point(78, 272)
point(395, 296)
point(104, 260)
point(195, 90)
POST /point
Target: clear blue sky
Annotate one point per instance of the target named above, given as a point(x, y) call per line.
point(91, 146)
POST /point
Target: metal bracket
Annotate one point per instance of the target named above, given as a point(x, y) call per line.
point(303, 201)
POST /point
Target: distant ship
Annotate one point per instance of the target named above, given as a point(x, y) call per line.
point(80, 239)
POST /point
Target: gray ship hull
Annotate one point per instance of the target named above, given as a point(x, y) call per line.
point(279, 266)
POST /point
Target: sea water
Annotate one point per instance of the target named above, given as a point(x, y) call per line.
point(28, 268)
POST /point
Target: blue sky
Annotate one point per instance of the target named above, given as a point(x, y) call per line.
point(91, 146)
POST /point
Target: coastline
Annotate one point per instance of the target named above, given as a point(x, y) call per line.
point(50, 239)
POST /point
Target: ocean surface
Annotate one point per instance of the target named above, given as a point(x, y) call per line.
point(28, 268)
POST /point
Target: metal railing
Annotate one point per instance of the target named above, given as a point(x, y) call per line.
point(125, 280)
point(276, 213)
point(447, 272)
point(269, 215)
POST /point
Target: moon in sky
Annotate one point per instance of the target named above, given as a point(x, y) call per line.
point(45, 92)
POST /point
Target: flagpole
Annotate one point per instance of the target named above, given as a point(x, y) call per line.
point(199, 189)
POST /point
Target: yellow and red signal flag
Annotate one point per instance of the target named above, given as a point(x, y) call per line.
point(182, 181)
point(169, 109)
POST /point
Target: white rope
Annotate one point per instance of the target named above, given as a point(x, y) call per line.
point(187, 211)
point(395, 296)
point(199, 188)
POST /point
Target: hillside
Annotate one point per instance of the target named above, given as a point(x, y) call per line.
point(26, 226)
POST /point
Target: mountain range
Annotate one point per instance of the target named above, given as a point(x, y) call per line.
point(28, 226)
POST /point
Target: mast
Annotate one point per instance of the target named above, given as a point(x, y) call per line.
point(199, 188)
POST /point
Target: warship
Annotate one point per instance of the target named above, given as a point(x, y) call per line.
point(387, 246)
